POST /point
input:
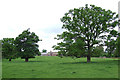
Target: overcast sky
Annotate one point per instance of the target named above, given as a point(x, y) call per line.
point(41, 16)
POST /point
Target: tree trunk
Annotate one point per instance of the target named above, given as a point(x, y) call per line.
point(88, 58)
point(26, 59)
point(9, 59)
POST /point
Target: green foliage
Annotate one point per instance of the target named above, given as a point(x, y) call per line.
point(88, 25)
point(26, 44)
point(111, 47)
point(117, 51)
point(0, 47)
point(75, 49)
point(8, 48)
point(113, 44)
point(104, 54)
point(97, 51)
point(44, 50)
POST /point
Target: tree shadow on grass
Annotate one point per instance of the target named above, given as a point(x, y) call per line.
point(60, 79)
point(78, 62)
point(92, 62)
point(26, 62)
point(37, 61)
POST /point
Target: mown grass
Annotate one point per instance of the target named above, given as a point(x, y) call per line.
point(56, 67)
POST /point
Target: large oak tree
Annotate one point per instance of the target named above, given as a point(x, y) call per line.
point(86, 26)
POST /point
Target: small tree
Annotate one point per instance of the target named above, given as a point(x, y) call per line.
point(8, 48)
point(88, 25)
point(117, 51)
point(69, 48)
point(111, 47)
point(111, 43)
point(26, 44)
point(98, 51)
point(44, 50)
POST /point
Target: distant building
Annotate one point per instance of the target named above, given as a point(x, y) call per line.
point(52, 53)
point(44, 54)
point(49, 54)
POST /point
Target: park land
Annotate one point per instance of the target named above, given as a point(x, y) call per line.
point(56, 67)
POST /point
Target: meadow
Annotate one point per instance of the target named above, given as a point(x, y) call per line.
point(56, 67)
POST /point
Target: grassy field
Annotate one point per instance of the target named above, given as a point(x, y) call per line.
point(56, 67)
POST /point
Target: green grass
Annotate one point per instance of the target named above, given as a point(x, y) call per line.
point(56, 67)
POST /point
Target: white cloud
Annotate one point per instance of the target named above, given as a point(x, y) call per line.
point(41, 16)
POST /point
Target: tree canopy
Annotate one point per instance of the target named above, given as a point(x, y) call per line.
point(85, 27)
point(117, 51)
point(8, 48)
point(44, 50)
point(26, 45)
point(97, 51)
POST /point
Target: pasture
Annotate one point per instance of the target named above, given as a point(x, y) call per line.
point(56, 67)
